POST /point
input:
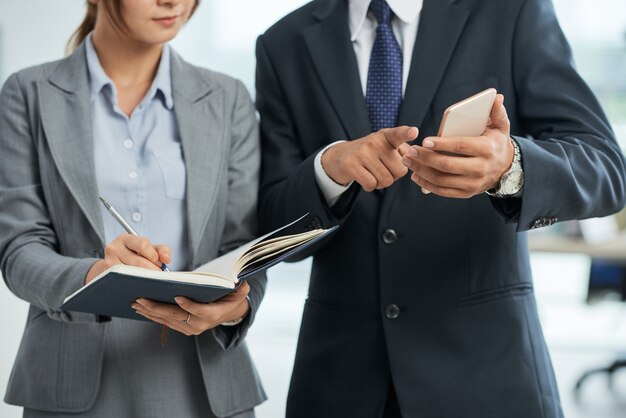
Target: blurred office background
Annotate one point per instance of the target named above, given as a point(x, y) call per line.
point(222, 36)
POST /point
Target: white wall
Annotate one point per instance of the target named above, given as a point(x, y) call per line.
point(35, 31)
point(593, 21)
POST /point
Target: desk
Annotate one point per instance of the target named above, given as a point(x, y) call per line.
point(614, 249)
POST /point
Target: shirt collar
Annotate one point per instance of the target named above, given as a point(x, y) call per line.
point(163, 79)
point(97, 77)
point(406, 10)
point(162, 82)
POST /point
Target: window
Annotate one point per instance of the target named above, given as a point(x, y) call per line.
point(597, 33)
point(222, 34)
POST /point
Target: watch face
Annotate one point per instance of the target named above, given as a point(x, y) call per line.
point(511, 182)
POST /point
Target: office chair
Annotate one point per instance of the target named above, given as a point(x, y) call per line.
point(607, 280)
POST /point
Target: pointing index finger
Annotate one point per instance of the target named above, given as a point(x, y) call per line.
point(399, 135)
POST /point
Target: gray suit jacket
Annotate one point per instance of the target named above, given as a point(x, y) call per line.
point(51, 230)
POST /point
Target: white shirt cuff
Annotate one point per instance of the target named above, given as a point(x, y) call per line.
point(331, 190)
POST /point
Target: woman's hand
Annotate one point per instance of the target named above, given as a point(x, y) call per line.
point(193, 318)
point(133, 251)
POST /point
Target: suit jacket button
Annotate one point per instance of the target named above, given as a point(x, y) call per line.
point(392, 311)
point(389, 236)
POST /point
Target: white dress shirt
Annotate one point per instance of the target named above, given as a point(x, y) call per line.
point(362, 34)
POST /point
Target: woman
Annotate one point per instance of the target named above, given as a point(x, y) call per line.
point(175, 149)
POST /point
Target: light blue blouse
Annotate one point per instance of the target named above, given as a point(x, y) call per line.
point(140, 169)
point(139, 162)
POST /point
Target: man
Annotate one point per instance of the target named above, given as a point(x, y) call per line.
point(422, 304)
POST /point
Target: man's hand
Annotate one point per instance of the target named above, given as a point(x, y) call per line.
point(465, 166)
point(193, 318)
point(133, 251)
point(374, 161)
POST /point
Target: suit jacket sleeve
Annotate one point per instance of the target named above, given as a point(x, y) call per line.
point(241, 218)
point(573, 167)
point(288, 188)
point(30, 261)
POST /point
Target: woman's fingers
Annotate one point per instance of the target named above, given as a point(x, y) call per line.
point(136, 251)
point(141, 246)
point(164, 253)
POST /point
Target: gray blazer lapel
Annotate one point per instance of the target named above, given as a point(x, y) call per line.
point(200, 114)
point(441, 25)
point(66, 119)
point(332, 53)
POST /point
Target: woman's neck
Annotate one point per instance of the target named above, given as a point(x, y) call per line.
point(131, 65)
point(126, 62)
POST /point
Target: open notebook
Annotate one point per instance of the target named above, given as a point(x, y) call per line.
point(112, 292)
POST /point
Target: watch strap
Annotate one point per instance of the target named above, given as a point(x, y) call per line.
point(516, 164)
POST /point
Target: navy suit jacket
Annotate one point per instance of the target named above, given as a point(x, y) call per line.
point(430, 293)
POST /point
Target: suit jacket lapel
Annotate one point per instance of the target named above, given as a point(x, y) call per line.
point(331, 50)
point(441, 24)
point(200, 114)
point(66, 119)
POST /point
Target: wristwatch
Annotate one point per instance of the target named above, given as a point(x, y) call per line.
point(512, 180)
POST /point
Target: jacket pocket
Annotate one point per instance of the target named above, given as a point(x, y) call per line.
point(484, 296)
point(172, 165)
point(320, 303)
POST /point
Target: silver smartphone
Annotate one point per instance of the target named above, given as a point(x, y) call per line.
point(468, 117)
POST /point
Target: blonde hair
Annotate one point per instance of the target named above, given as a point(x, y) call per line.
point(113, 9)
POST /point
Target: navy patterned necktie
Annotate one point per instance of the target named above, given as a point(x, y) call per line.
point(384, 77)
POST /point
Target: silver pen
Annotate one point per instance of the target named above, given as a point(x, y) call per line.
point(120, 220)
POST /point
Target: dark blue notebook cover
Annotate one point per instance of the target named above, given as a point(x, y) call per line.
point(113, 294)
